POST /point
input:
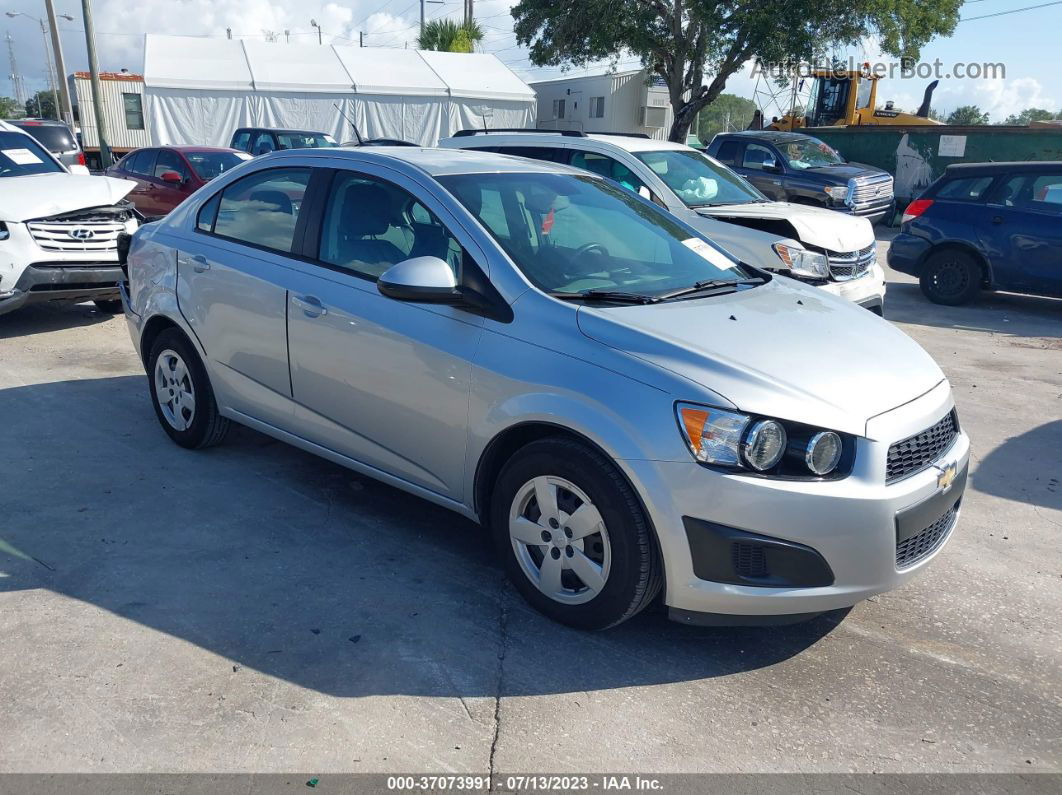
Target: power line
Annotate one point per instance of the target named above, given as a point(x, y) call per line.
point(1011, 11)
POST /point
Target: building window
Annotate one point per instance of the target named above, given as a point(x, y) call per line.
point(558, 108)
point(597, 107)
point(134, 111)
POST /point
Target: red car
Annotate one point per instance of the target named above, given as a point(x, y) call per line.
point(167, 175)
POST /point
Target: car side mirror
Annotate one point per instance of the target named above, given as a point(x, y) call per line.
point(772, 166)
point(172, 177)
point(424, 280)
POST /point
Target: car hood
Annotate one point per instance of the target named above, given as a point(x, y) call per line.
point(781, 350)
point(815, 226)
point(744, 244)
point(842, 173)
point(44, 195)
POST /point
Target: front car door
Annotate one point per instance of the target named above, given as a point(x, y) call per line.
point(383, 382)
point(1024, 237)
point(232, 281)
point(168, 195)
point(761, 166)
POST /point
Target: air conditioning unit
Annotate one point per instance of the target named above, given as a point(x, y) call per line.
point(654, 117)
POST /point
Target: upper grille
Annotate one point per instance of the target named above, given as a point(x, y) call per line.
point(848, 265)
point(93, 230)
point(923, 544)
point(917, 452)
point(872, 190)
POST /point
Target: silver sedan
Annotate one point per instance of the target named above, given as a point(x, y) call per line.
point(630, 411)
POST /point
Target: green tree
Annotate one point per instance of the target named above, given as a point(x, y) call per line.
point(967, 115)
point(446, 35)
point(728, 112)
point(9, 108)
point(41, 105)
point(1031, 114)
point(697, 45)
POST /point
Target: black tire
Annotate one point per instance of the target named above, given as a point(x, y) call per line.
point(635, 574)
point(206, 427)
point(112, 306)
point(950, 277)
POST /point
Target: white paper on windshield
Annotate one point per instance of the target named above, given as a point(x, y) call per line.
point(22, 157)
point(243, 156)
point(714, 256)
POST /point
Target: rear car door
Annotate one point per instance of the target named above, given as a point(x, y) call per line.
point(1024, 236)
point(381, 381)
point(232, 280)
point(141, 168)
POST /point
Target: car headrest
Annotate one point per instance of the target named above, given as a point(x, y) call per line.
point(279, 200)
point(366, 210)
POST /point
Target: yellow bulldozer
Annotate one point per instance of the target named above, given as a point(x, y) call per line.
point(841, 99)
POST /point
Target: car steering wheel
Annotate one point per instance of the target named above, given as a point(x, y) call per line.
point(586, 248)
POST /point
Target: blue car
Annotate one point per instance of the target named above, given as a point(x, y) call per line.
point(995, 226)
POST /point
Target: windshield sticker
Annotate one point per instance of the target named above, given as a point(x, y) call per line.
point(22, 157)
point(714, 256)
point(547, 223)
point(243, 156)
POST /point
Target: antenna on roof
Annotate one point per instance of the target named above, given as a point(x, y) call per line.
point(350, 121)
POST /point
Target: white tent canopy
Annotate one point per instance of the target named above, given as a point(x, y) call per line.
point(198, 90)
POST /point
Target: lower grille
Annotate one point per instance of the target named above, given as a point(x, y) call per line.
point(915, 453)
point(925, 543)
point(750, 560)
point(849, 265)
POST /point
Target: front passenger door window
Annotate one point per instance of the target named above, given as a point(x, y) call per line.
point(370, 225)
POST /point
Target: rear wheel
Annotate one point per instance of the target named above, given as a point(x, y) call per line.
point(109, 307)
point(572, 535)
point(181, 393)
point(950, 277)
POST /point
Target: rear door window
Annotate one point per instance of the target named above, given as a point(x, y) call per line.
point(1033, 191)
point(607, 167)
point(143, 162)
point(729, 152)
point(262, 209)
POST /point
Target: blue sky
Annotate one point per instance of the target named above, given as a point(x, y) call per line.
point(1027, 43)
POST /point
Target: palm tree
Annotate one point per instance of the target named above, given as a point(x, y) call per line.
point(445, 35)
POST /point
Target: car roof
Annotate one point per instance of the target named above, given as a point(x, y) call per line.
point(629, 143)
point(434, 162)
point(774, 136)
point(38, 123)
point(973, 169)
point(192, 148)
point(281, 130)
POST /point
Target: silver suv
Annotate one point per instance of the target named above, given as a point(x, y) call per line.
point(627, 408)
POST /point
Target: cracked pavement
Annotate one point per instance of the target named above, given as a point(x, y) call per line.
point(253, 608)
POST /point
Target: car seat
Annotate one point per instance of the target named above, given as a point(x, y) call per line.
point(364, 215)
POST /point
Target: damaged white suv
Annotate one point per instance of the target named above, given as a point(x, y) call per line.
point(58, 230)
point(828, 249)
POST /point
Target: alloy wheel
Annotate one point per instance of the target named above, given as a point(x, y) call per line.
point(174, 390)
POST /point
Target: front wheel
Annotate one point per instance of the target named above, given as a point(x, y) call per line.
point(573, 536)
point(181, 393)
point(950, 277)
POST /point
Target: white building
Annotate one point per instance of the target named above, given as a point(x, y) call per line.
point(621, 102)
point(198, 90)
point(123, 111)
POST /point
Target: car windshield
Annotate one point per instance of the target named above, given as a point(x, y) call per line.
point(212, 164)
point(21, 156)
point(55, 137)
point(810, 153)
point(305, 140)
point(697, 180)
point(571, 234)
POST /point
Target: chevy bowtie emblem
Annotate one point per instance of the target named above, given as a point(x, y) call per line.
point(946, 477)
point(82, 234)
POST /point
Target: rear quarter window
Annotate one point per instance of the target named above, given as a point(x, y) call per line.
point(967, 189)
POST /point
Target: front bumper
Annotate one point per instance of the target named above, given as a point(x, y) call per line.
point(868, 290)
point(852, 523)
point(62, 281)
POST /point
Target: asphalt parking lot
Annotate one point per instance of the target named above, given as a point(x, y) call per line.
point(253, 608)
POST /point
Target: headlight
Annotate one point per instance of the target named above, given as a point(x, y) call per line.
point(771, 447)
point(801, 262)
point(838, 192)
point(4, 234)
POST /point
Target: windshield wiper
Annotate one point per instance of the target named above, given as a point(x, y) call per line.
point(618, 296)
point(709, 284)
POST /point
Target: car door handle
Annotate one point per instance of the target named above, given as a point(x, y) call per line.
point(199, 263)
point(998, 219)
point(310, 305)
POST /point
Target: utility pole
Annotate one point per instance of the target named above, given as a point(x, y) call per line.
point(361, 38)
point(470, 11)
point(313, 24)
point(51, 72)
point(18, 87)
point(97, 90)
point(67, 109)
point(422, 2)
